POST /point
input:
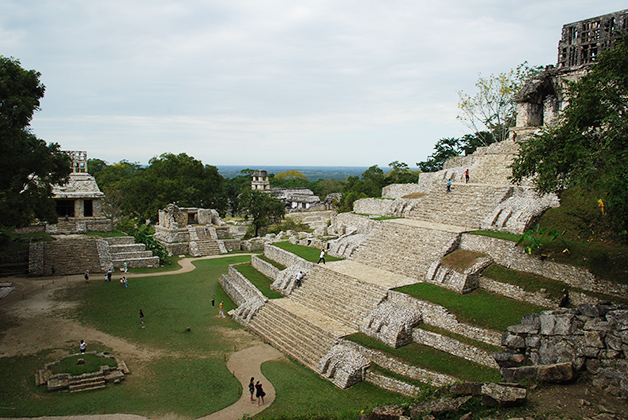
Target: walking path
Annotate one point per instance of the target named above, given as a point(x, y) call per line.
point(244, 364)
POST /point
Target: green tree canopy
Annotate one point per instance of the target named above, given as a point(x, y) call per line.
point(28, 166)
point(449, 147)
point(492, 108)
point(589, 145)
point(263, 208)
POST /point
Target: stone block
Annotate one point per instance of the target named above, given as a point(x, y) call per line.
point(557, 324)
point(560, 372)
point(513, 341)
point(593, 339)
point(531, 319)
point(533, 342)
point(466, 388)
point(523, 329)
point(613, 342)
point(417, 411)
point(387, 412)
point(508, 359)
point(618, 319)
point(597, 325)
point(496, 395)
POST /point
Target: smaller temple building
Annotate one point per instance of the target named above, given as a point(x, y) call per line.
point(79, 202)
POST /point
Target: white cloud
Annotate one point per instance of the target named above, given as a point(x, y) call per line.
point(274, 82)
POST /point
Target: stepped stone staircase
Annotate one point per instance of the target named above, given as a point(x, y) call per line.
point(124, 249)
point(304, 334)
point(465, 205)
point(205, 241)
point(87, 382)
point(405, 249)
point(341, 297)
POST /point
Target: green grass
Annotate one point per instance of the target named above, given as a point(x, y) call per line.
point(461, 338)
point(431, 359)
point(461, 259)
point(479, 307)
point(305, 252)
point(92, 364)
point(385, 218)
point(113, 234)
point(302, 394)
point(527, 281)
point(259, 280)
point(272, 262)
point(173, 266)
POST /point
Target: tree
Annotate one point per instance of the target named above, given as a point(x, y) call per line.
point(492, 108)
point(589, 145)
point(401, 174)
point(449, 147)
point(28, 166)
point(263, 208)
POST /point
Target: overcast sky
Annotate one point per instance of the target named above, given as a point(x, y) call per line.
point(273, 82)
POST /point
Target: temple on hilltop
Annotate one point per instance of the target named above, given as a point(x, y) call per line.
point(79, 202)
point(543, 97)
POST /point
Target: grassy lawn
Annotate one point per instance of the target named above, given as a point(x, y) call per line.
point(302, 394)
point(429, 358)
point(479, 307)
point(259, 280)
point(93, 363)
point(527, 281)
point(305, 252)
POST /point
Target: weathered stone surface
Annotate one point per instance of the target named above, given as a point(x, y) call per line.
point(593, 339)
point(387, 412)
point(513, 341)
point(618, 319)
point(557, 323)
point(508, 359)
point(437, 406)
point(556, 373)
point(494, 395)
point(523, 329)
point(466, 388)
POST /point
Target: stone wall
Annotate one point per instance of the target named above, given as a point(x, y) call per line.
point(440, 317)
point(264, 267)
point(282, 257)
point(505, 253)
point(515, 292)
point(553, 345)
point(455, 347)
point(392, 385)
point(68, 255)
point(245, 285)
point(399, 190)
point(374, 206)
point(412, 372)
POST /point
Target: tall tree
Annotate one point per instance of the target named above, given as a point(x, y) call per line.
point(263, 208)
point(449, 147)
point(28, 166)
point(589, 145)
point(492, 108)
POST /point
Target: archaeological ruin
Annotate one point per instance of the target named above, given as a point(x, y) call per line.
point(405, 239)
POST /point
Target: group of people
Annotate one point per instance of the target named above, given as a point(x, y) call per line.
point(256, 388)
point(466, 180)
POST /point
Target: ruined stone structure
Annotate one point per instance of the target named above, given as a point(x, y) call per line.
point(260, 180)
point(295, 199)
point(357, 294)
point(194, 231)
point(79, 202)
point(543, 98)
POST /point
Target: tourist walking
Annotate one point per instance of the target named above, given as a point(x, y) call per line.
point(83, 346)
point(109, 274)
point(141, 316)
point(448, 185)
point(221, 314)
point(299, 278)
point(213, 301)
point(125, 283)
point(126, 268)
point(260, 394)
point(466, 176)
point(321, 257)
point(252, 389)
point(86, 276)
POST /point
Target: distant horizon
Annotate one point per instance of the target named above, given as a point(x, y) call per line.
point(312, 172)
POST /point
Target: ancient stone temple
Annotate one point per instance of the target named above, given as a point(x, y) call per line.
point(79, 202)
point(260, 181)
point(543, 97)
point(191, 230)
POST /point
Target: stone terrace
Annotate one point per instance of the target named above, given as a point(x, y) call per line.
point(344, 298)
point(465, 205)
point(304, 334)
point(404, 249)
